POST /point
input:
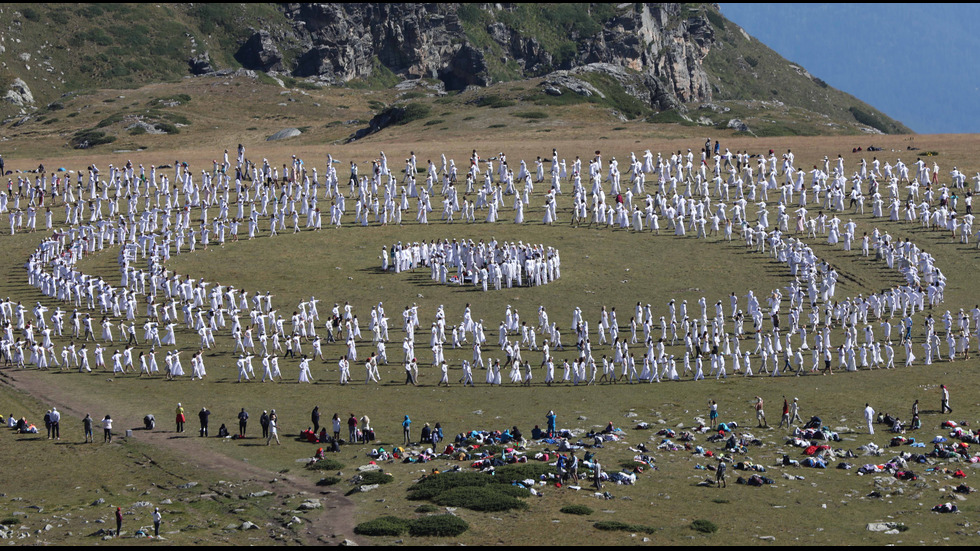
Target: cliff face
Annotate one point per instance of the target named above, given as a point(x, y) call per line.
point(465, 44)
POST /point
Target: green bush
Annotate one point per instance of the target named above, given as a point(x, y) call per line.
point(431, 486)
point(433, 122)
point(521, 471)
point(31, 14)
point(326, 464)
point(442, 526)
point(482, 498)
point(616, 526)
point(426, 508)
point(166, 127)
point(413, 95)
point(576, 510)
point(533, 115)
point(328, 481)
point(137, 131)
point(383, 526)
point(111, 119)
point(704, 526)
point(497, 126)
point(494, 102)
point(376, 477)
point(85, 139)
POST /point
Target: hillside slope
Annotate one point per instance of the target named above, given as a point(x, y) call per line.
point(672, 62)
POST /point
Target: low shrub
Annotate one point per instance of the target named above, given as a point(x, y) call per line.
point(328, 481)
point(576, 510)
point(431, 486)
point(442, 526)
point(426, 508)
point(482, 498)
point(326, 464)
point(704, 526)
point(383, 526)
point(493, 102)
point(616, 526)
point(376, 477)
point(522, 471)
point(532, 115)
point(433, 122)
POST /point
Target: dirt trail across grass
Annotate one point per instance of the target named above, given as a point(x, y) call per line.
point(329, 525)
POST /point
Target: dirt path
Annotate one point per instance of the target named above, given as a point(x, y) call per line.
point(329, 525)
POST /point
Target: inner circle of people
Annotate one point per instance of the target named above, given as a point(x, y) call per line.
point(163, 211)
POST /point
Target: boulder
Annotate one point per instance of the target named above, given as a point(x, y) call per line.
point(284, 134)
point(19, 94)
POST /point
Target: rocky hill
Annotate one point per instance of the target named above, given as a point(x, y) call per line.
point(678, 62)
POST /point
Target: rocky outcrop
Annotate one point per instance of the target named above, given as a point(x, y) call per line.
point(19, 94)
point(655, 48)
point(201, 64)
point(260, 53)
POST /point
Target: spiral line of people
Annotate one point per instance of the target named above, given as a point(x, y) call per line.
point(163, 226)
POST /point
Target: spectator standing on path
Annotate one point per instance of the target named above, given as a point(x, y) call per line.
point(204, 415)
point(118, 518)
point(760, 413)
point(552, 423)
point(315, 419)
point(945, 400)
point(87, 425)
point(181, 418)
point(596, 473)
point(242, 422)
point(407, 429)
point(785, 417)
point(157, 518)
point(720, 473)
point(712, 413)
point(264, 421)
point(107, 428)
point(336, 426)
point(56, 424)
point(352, 429)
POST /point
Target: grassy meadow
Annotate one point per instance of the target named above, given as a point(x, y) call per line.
point(600, 267)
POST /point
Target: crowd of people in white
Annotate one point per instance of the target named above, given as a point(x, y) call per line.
point(163, 211)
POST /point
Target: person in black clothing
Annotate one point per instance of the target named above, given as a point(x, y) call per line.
point(204, 415)
point(264, 421)
point(315, 419)
point(242, 422)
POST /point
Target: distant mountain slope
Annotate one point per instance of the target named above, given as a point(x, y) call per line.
point(643, 58)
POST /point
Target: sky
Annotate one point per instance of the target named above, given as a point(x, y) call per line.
point(917, 63)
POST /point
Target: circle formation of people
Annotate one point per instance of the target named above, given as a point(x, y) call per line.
point(487, 265)
point(154, 214)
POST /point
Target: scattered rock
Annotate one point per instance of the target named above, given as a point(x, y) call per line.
point(348, 543)
point(187, 486)
point(369, 467)
point(738, 125)
point(263, 493)
point(284, 134)
point(311, 504)
point(19, 94)
point(142, 504)
point(248, 526)
point(369, 487)
point(881, 526)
